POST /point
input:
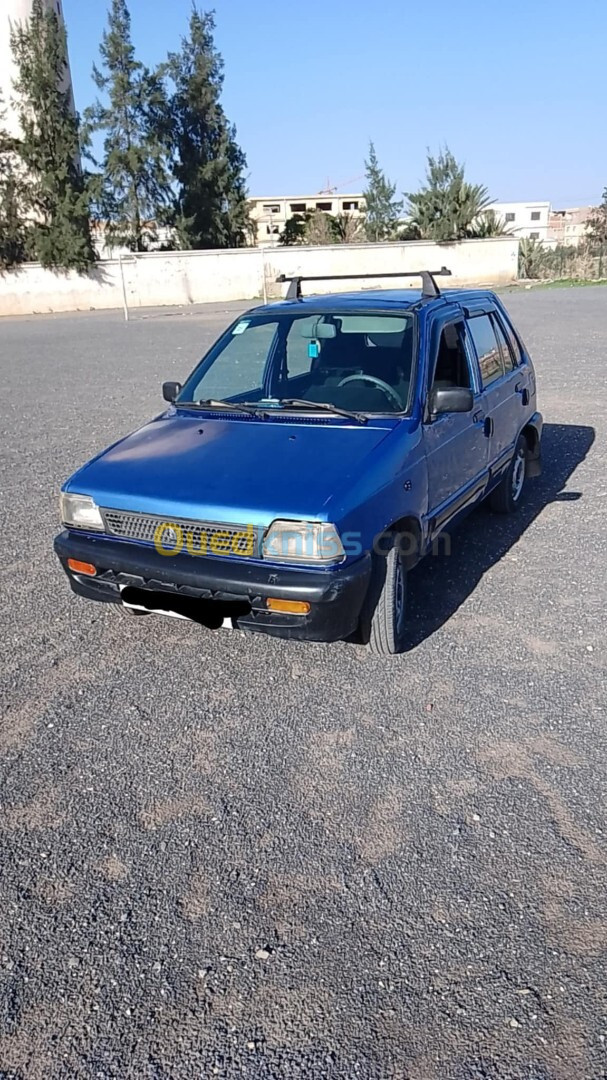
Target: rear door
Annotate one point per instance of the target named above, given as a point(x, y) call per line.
point(456, 444)
point(501, 385)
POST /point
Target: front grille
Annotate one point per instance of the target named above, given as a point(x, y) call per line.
point(198, 537)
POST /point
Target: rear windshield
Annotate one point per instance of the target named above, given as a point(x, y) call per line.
point(356, 361)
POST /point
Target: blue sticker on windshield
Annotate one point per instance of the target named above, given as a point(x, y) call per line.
point(313, 350)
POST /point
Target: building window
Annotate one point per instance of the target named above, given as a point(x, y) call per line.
point(534, 235)
point(535, 215)
point(351, 206)
point(324, 206)
point(271, 208)
point(510, 217)
point(298, 207)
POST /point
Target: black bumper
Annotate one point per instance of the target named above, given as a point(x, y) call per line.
point(222, 585)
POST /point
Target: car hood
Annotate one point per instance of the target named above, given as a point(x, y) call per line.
point(227, 469)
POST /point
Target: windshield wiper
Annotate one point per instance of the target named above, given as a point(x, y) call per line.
point(211, 403)
point(325, 406)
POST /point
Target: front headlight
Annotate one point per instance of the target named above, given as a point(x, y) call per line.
point(303, 542)
point(80, 512)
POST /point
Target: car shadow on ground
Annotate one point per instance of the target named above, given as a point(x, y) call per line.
point(442, 582)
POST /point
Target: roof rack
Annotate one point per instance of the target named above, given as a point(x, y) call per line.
point(430, 289)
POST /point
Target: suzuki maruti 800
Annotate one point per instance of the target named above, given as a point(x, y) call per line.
point(313, 456)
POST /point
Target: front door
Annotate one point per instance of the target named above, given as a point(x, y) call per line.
point(456, 444)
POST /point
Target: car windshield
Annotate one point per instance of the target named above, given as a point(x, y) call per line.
point(354, 361)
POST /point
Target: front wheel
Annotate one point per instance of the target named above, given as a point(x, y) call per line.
point(508, 494)
point(388, 618)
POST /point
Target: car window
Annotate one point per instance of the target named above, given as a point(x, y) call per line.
point(243, 361)
point(503, 344)
point(355, 361)
point(299, 353)
point(513, 341)
point(487, 348)
point(451, 367)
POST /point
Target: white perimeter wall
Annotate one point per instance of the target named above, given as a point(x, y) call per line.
point(182, 278)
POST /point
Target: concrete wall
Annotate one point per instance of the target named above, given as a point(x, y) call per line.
point(182, 278)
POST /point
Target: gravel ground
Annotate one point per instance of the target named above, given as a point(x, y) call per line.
point(224, 855)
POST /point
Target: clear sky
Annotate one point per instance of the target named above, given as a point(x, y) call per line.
point(516, 88)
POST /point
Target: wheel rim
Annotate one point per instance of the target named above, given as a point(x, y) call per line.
point(518, 475)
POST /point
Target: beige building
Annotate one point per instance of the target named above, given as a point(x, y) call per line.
point(569, 226)
point(271, 213)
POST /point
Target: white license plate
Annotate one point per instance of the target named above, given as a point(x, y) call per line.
point(227, 624)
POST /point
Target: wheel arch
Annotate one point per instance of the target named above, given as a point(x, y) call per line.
point(532, 435)
point(410, 526)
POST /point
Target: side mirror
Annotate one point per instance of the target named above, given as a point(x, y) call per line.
point(447, 399)
point(170, 390)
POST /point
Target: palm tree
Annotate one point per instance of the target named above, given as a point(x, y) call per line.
point(487, 225)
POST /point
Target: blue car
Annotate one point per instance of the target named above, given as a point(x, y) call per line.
point(315, 454)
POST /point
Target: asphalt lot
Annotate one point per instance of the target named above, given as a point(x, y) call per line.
point(224, 855)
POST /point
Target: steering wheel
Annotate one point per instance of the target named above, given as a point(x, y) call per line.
point(381, 385)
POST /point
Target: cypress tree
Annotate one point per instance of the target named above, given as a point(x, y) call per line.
point(13, 234)
point(383, 209)
point(55, 192)
point(211, 209)
point(134, 175)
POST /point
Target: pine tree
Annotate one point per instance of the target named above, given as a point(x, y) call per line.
point(135, 183)
point(55, 194)
point(447, 206)
point(13, 232)
point(211, 209)
point(383, 210)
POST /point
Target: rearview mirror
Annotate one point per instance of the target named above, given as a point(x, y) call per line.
point(447, 399)
point(170, 390)
point(320, 331)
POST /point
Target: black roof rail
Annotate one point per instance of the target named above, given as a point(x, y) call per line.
point(430, 289)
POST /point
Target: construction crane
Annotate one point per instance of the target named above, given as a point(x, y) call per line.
point(332, 189)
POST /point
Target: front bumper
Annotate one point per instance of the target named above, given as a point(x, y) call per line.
point(231, 585)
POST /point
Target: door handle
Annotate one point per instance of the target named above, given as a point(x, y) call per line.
point(523, 391)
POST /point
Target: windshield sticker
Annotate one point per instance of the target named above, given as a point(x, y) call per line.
point(241, 327)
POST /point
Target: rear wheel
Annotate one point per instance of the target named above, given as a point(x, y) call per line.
point(389, 592)
point(508, 495)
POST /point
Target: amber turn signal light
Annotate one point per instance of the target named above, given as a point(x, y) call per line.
point(289, 607)
point(81, 567)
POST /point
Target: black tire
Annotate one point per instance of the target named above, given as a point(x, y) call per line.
point(508, 495)
point(388, 596)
